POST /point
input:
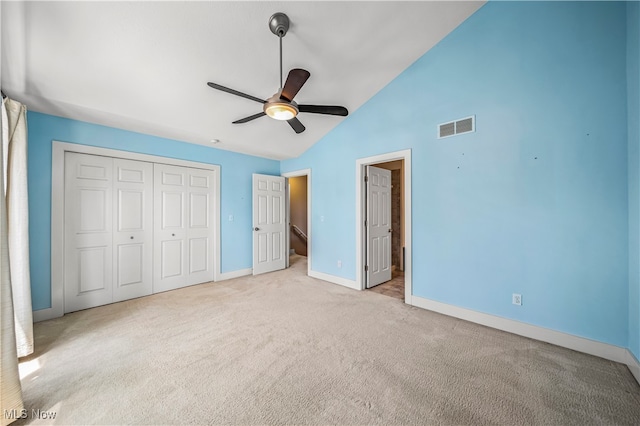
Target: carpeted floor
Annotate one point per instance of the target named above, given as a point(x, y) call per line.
point(283, 348)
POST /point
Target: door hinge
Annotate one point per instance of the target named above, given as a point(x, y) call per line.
point(365, 223)
point(366, 268)
point(366, 178)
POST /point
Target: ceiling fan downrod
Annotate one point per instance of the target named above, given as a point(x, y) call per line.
point(279, 25)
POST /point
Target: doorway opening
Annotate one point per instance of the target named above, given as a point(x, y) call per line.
point(399, 282)
point(298, 239)
point(298, 217)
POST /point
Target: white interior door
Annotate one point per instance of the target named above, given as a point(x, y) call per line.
point(133, 230)
point(183, 251)
point(88, 252)
point(269, 223)
point(200, 216)
point(378, 226)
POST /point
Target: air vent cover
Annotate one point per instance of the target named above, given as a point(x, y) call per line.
point(447, 129)
point(463, 125)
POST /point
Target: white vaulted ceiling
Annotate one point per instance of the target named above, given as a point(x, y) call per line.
point(143, 66)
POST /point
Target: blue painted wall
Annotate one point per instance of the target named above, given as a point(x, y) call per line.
point(535, 202)
point(633, 126)
point(235, 188)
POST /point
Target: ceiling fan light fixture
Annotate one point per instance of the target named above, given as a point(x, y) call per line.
point(280, 110)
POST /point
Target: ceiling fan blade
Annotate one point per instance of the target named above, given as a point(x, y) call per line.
point(295, 80)
point(324, 109)
point(249, 118)
point(235, 92)
point(296, 125)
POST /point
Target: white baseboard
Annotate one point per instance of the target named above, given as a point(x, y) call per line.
point(558, 338)
point(634, 365)
point(234, 274)
point(333, 279)
point(46, 314)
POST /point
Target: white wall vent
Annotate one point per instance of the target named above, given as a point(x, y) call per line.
point(464, 125)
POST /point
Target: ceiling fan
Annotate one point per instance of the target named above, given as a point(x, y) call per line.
point(281, 105)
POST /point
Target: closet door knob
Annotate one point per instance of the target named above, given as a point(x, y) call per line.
point(256, 229)
point(131, 237)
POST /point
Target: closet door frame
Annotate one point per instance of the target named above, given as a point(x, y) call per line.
point(57, 213)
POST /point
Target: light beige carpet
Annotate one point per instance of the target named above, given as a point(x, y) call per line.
point(283, 348)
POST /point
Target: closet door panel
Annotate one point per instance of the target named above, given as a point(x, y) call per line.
point(133, 230)
point(88, 257)
point(200, 227)
point(172, 259)
point(170, 251)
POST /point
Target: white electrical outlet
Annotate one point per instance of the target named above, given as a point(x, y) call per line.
point(339, 263)
point(516, 299)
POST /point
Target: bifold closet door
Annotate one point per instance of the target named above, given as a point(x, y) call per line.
point(133, 229)
point(108, 230)
point(183, 207)
point(88, 257)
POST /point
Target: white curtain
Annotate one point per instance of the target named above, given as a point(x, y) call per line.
point(16, 322)
point(14, 147)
